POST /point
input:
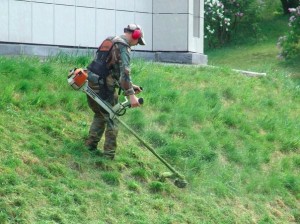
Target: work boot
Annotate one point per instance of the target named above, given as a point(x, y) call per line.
point(91, 145)
point(109, 154)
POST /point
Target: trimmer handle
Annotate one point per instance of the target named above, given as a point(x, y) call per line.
point(141, 101)
point(139, 87)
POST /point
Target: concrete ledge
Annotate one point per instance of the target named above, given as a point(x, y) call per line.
point(10, 49)
point(45, 50)
point(182, 58)
point(148, 56)
point(35, 50)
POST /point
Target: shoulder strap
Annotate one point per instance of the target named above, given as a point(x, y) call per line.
point(106, 45)
point(120, 40)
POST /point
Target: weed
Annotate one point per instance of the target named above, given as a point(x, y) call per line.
point(140, 174)
point(133, 186)
point(111, 177)
point(156, 187)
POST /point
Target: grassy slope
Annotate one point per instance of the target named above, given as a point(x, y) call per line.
point(235, 138)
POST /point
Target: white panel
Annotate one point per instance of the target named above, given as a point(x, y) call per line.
point(127, 5)
point(107, 28)
point(191, 39)
point(64, 25)
point(190, 5)
point(195, 43)
point(43, 1)
point(170, 32)
point(106, 4)
point(145, 21)
point(65, 2)
point(173, 6)
point(202, 8)
point(85, 27)
point(4, 20)
point(143, 6)
point(201, 39)
point(85, 3)
point(20, 21)
point(122, 20)
point(42, 23)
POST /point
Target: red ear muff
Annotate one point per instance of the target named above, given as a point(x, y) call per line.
point(136, 34)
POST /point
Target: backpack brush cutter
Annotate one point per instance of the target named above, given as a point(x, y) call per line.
point(78, 80)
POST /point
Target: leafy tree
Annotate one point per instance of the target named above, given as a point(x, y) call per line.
point(226, 19)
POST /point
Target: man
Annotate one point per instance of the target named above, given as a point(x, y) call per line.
point(117, 67)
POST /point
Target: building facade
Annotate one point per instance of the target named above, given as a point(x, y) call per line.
point(173, 28)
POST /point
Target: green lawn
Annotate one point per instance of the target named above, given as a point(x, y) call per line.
point(234, 138)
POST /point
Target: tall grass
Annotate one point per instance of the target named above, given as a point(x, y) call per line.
point(235, 138)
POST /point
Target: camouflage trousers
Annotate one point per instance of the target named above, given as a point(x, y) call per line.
point(101, 124)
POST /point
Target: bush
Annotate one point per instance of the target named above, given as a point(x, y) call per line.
point(289, 44)
point(228, 19)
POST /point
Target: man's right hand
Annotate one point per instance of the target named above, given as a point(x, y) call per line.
point(134, 101)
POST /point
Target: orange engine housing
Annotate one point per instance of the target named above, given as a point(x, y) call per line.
point(80, 77)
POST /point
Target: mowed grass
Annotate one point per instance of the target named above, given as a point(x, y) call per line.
point(261, 55)
point(235, 138)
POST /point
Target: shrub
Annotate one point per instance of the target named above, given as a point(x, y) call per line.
point(289, 44)
point(228, 19)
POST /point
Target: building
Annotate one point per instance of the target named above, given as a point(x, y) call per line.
point(173, 28)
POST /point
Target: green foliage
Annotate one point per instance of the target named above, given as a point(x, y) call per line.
point(271, 9)
point(230, 21)
point(290, 43)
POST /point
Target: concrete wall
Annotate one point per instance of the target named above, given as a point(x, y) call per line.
point(167, 24)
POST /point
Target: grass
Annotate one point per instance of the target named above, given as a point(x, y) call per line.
point(235, 138)
point(261, 56)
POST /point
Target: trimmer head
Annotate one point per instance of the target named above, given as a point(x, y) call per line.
point(179, 182)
